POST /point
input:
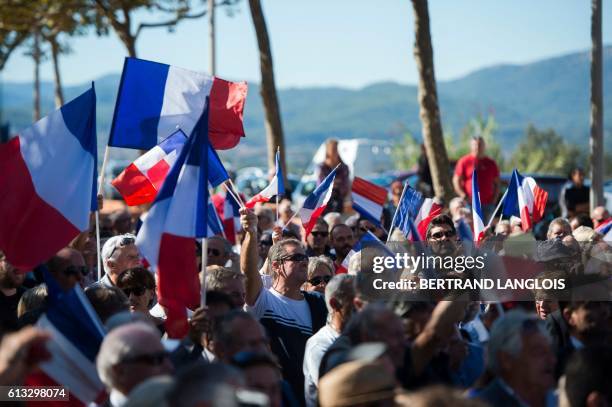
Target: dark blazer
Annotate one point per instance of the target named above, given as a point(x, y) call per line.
point(495, 395)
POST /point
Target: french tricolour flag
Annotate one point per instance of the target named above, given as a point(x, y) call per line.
point(140, 181)
point(368, 199)
point(479, 228)
point(76, 336)
point(47, 183)
point(154, 99)
point(177, 218)
point(231, 218)
point(276, 186)
point(367, 240)
point(523, 192)
point(414, 207)
point(316, 202)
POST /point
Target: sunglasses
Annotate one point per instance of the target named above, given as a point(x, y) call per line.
point(153, 359)
point(76, 270)
point(319, 280)
point(122, 243)
point(439, 235)
point(298, 258)
point(214, 252)
point(137, 291)
point(319, 234)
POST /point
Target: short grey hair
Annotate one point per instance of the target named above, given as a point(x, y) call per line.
point(507, 336)
point(342, 288)
point(561, 222)
point(121, 342)
point(278, 251)
point(109, 248)
point(500, 224)
point(315, 262)
point(227, 246)
point(216, 276)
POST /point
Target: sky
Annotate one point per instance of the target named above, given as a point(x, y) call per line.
point(342, 42)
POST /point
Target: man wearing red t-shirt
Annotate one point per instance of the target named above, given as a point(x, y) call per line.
point(488, 176)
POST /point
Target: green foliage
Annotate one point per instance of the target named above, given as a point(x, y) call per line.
point(544, 151)
point(405, 153)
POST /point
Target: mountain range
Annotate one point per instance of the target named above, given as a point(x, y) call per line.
point(550, 93)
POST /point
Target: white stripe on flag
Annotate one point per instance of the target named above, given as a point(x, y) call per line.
point(146, 161)
point(371, 207)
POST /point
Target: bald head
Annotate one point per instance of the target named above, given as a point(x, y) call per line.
point(599, 216)
point(68, 267)
point(129, 355)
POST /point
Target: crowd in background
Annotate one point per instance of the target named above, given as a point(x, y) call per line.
point(285, 325)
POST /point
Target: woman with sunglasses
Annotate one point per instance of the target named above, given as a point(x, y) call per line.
point(138, 284)
point(320, 271)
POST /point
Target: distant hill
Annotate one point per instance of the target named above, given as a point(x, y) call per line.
point(549, 93)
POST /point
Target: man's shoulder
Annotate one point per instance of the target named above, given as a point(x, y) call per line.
point(496, 395)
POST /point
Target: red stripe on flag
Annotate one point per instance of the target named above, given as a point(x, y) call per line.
point(178, 285)
point(253, 201)
point(31, 230)
point(225, 115)
point(525, 219)
point(434, 211)
point(134, 186)
point(313, 219)
point(540, 197)
point(369, 190)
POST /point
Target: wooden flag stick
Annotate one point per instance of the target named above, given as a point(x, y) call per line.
point(203, 272)
point(100, 192)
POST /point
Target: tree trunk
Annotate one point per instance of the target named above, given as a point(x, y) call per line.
point(274, 128)
point(597, 147)
point(36, 57)
point(59, 94)
point(428, 104)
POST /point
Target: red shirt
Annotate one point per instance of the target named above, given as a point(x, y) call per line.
point(487, 172)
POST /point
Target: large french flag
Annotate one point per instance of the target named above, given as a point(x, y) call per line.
point(47, 183)
point(479, 228)
point(177, 218)
point(413, 207)
point(368, 199)
point(155, 99)
point(316, 202)
point(76, 336)
point(141, 180)
point(276, 186)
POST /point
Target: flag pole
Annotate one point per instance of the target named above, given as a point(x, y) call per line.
point(203, 272)
point(395, 213)
point(100, 192)
point(277, 182)
point(501, 201)
point(237, 194)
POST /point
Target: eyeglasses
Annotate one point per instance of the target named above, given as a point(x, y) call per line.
point(318, 280)
point(319, 234)
point(126, 240)
point(153, 359)
point(76, 270)
point(298, 258)
point(213, 252)
point(439, 235)
point(137, 291)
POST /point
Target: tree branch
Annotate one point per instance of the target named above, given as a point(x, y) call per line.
point(168, 23)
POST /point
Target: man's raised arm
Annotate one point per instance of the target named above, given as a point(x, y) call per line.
point(249, 257)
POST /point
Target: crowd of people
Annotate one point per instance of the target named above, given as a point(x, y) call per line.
point(285, 325)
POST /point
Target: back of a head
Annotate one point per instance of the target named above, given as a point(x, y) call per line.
point(355, 383)
point(588, 371)
point(217, 276)
point(151, 392)
point(342, 288)
point(211, 383)
point(107, 301)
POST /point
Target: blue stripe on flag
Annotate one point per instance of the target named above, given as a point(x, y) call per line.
point(139, 104)
point(173, 142)
point(199, 158)
point(279, 175)
point(68, 314)
point(510, 207)
point(214, 223)
point(365, 214)
point(313, 199)
point(217, 174)
point(408, 208)
point(80, 118)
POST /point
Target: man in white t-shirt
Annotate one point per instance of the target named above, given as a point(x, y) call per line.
point(339, 295)
point(289, 315)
